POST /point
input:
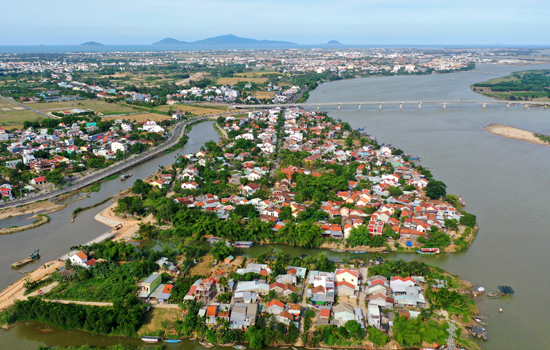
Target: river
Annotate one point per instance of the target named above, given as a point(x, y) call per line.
point(504, 183)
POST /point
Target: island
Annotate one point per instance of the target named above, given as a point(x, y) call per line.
point(333, 42)
point(91, 43)
point(226, 40)
point(518, 86)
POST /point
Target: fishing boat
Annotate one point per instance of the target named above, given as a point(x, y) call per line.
point(244, 244)
point(34, 256)
point(228, 345)
point(428, 251)
point(240, 347)
point(483, 335)
point(206, 344)
point(478, 320)
point(150, 339)
point(461, 201)
point(172, 340)
point(361, 129)
point(360, 252)
point(493, 295)
point(125, 176)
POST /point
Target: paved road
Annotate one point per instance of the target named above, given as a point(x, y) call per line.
point(176, 134)
point(25, 106)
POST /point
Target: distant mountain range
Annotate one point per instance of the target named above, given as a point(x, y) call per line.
point(226, 40)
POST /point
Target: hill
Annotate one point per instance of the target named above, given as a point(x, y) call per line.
point(226, 40)
point(91, 43)
point(170, 41)
point(334, 42)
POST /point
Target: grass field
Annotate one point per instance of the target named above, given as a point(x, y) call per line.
point(97, 105)
point(18, 117)
point(264, 94)
point(258, 74)
point(234, 80)
point(192, 109)
point(153, 320)
point(143, 117)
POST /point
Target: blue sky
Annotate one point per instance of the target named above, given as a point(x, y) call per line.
point(366, 22)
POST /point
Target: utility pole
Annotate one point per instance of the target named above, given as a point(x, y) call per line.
point(451, 339)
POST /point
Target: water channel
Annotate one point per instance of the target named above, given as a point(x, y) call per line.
point(504, 182)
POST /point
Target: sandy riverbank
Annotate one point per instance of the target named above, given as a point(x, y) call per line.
point(16, 290)
point(109, 217)
point(513, 133)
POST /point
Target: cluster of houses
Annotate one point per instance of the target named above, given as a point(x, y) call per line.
point(26, 143)
point(366, 300)
point(409, 215)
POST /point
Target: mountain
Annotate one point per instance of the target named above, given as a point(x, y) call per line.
point(170, 41)
point(333, 43)
point(226, 40)
point(91, 43)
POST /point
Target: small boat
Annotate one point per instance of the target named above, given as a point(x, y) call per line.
point(150, 339)
point(461, 201)
point(428, 251)
point(125, 176)
point(361, 129)
point(478, 320)
point(34, 256)
point(240, 347)
point(493, 295)
point(293, 348)
point(206, 344)
point(172, 340)
point(228, 345)
point(361, 252)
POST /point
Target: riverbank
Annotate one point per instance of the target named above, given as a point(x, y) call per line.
point(514, 133)
point(16, 290)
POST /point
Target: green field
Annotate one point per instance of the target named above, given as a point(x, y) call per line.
point(17, 117)
point(97, 105)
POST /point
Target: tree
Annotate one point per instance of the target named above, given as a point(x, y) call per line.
point(54, 176)
point(468, 220)
point(220, 250)
point(436, 189)
point(395, 191)
point(378, 338)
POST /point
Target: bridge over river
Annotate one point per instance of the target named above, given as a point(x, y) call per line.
point(401, 104)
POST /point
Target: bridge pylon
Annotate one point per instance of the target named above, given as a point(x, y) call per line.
point(401, 106)
point(444, 105)
point(419, 105)
point(484, 105)
point(380, 106)
point(359, 106)
point(338, 106)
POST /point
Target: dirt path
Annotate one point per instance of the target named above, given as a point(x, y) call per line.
point(16, 290)
point(91, 303)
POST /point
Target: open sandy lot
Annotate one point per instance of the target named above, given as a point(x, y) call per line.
point(16, 290)
point(29, 209)
point(234, 80)
point(511, 132)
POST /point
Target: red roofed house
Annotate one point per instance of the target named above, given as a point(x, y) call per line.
point(401, 282)
point(38, 181)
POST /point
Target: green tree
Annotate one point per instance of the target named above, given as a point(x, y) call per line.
point(436, 189)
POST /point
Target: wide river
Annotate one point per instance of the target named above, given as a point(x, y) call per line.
point(504, 182)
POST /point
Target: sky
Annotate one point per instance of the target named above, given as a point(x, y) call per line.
point(307, 22)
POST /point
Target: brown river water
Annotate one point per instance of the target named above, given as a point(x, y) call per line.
point(504, 182)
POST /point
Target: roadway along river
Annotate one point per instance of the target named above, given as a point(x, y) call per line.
point(503, 181)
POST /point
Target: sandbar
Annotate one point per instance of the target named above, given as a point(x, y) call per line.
point(514, 133)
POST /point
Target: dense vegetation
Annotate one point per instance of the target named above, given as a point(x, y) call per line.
point(519, 85)
point(124, 318)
